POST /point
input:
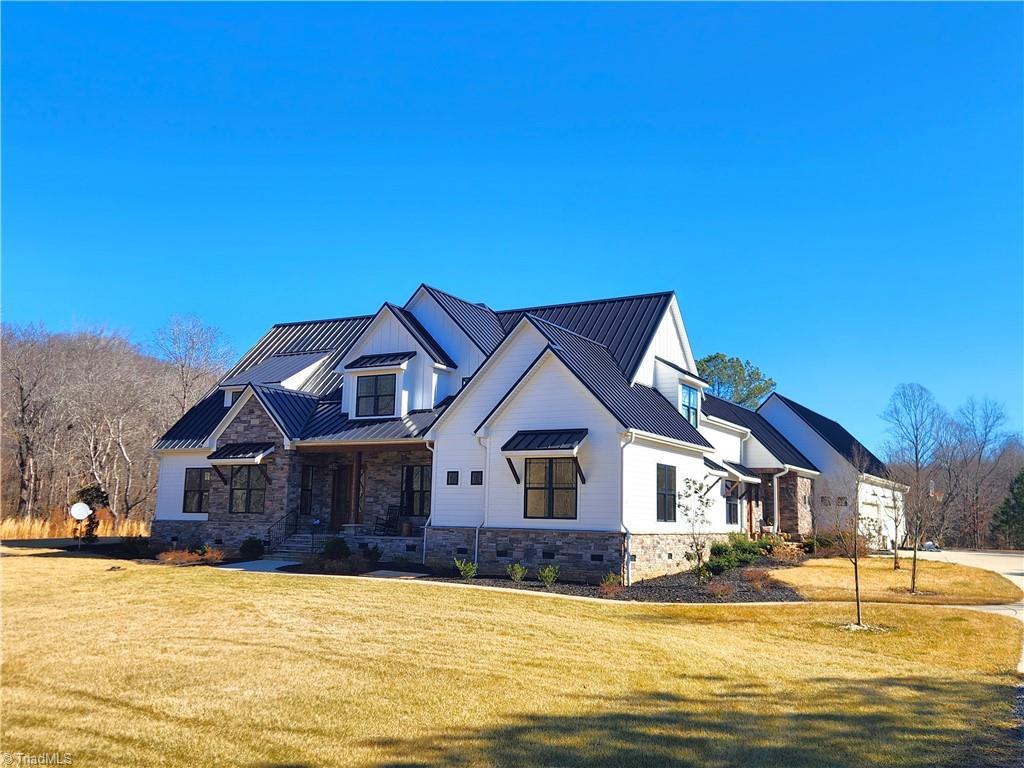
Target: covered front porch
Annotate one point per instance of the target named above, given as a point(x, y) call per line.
point(370, 495)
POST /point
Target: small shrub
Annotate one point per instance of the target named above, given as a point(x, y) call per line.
point(335, 549)
point(721, 564)
point(178, 557)
point(548, 575)
point(373, 555)
point(611, 585)
point(251, 549)
point(720, 549)
point(467, 568)
point(758, 578)
point(516, 571)
point(720, 589)
point(212, 555)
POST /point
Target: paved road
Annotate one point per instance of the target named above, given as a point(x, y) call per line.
point(1010, 565)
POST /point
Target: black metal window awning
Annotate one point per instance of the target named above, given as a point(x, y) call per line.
point(741, 472)
point(381, 360)
point(241, 453)
point(544, 440)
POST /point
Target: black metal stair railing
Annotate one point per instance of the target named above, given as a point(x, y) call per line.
point(281, 529)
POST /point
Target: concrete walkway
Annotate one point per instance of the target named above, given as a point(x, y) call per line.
point(258, 566)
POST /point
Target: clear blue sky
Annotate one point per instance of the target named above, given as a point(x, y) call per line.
point(834, 191)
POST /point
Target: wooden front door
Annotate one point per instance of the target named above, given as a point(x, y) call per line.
point(340, 497)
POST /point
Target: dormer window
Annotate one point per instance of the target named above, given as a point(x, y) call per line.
point(375, 395)
point(689, 403)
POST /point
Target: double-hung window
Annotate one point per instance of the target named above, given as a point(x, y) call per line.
point(689, 402)
point(550, 489)
point(666, 493)
point(416, 490)
point(375, 395)
point(306, 490)
point(197, 490)
point(248, 490)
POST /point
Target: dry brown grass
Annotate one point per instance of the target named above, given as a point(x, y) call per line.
point(63, 527)
point(938, 583)
point(182, 666)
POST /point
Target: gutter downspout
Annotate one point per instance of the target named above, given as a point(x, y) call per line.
point(775, 498)
point(622, 512)
point(483, 441)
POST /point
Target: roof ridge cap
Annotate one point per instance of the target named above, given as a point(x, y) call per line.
point(324, 320)
point(525, 310)
point(479, 305)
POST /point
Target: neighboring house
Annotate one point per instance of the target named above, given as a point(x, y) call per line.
point(851, 474)
point(443, 429)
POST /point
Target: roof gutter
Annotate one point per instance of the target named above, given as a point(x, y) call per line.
point(652, 437)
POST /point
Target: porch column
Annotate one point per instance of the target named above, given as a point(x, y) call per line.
point(353, 489)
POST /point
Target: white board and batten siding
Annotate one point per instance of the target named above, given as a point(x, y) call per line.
point(669, 343)
point(417, 382)
point(447, 333)
point(456, 447)
point(553, 398)
point(170, 487)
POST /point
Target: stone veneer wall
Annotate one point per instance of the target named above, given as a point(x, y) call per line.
point(795, 505)
point(580, 555)
point(659, 554)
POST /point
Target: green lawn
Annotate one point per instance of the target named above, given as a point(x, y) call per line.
point(153, 665)
point(937, 583)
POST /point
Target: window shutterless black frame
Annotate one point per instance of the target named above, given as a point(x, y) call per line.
point(476, 477)
point(251, 469)
point(306, 491)
point(669, 497)
point(375, 398)
point(205, 477)
point(420, 492)
point(451, 477)
point(549, 487)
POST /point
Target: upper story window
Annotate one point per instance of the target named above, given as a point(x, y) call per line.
point(689, 402)
point(666, 493)
point(375, 395)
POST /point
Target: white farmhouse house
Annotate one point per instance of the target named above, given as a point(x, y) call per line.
point(443, 429)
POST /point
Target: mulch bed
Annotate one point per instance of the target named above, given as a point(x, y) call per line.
point(675, 588)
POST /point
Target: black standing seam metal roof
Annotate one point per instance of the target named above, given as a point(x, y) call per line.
point(634, 406)
point(741, 469)
point(715, 466)
point(330, 423)
point(380, 360)
point(624, 325)
point(192, 429)
point(275, 369)
point(240, 451)
point(478, 321)
point(773, 440)
point(545, 440)
point(836, 435)
point(418, 332)
point(290, 408)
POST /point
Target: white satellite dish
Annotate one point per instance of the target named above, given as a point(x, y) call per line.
point(80, 510)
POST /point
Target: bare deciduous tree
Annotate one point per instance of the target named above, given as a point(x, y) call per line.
point(198, 354)
point(693, 505)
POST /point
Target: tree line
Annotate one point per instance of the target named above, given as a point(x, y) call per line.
point(85, 408)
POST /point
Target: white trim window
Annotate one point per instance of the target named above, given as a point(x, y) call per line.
point(689, 403)
point(376, 394)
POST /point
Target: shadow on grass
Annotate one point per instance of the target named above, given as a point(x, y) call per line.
point(839, 723)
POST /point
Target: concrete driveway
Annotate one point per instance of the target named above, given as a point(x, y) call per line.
point(1008, 564)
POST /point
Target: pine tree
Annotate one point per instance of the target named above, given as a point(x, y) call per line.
point(1008, 522)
